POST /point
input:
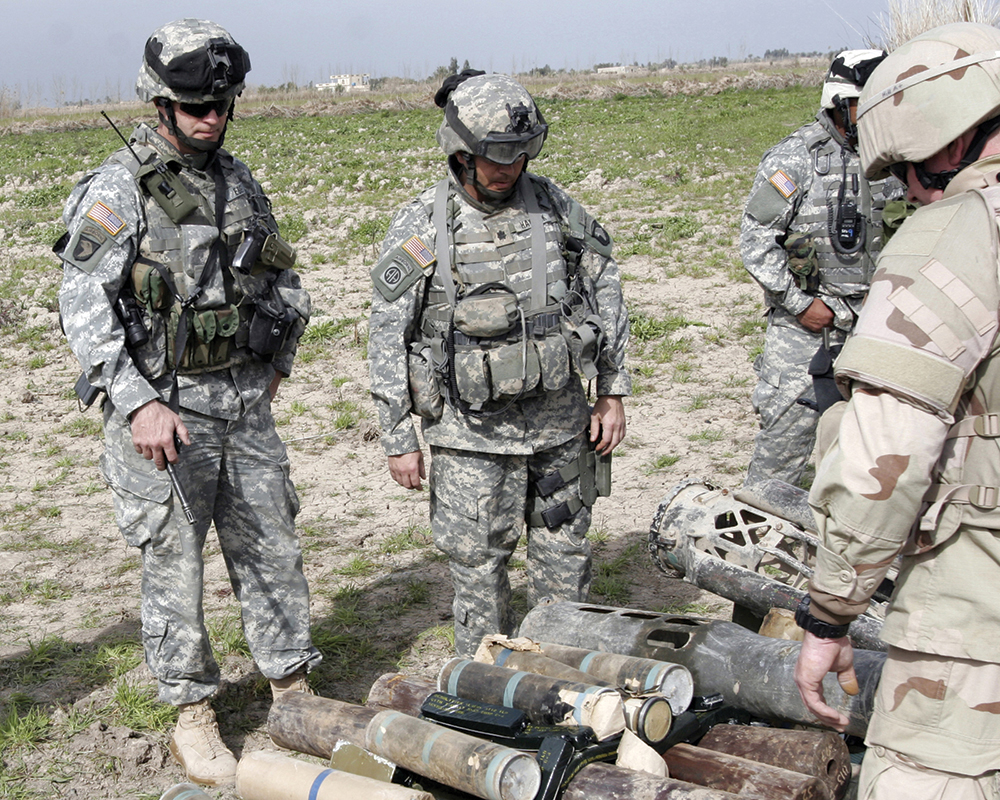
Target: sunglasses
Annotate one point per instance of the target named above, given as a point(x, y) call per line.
point(929, 180)
point(201, 110)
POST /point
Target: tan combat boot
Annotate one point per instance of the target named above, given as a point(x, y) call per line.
point(296, 682)
point(196, 744)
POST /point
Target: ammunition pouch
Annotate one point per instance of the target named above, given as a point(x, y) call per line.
point(150, 287)
point(426, 399)
point(209, 337)
point(497, 354)
point(553, 516)
point(593, 475)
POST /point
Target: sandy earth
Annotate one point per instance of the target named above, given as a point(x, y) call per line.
point(65, 571)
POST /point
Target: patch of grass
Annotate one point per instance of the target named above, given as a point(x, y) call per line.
point(137, 707)
point(611, 578)
point(23, 729)
point(412, 538)
point(662, 462)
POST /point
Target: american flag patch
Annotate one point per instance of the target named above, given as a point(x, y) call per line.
point(106, 218)
point(783, 184)
point(419, 251)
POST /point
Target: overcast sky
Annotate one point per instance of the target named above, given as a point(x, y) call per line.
point(80, 50)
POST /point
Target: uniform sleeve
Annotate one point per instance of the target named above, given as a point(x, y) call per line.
point(613, 377)
point(392, 327)
point(928, 323)
point(781, 182)
point(104, 219)
point(867, 496)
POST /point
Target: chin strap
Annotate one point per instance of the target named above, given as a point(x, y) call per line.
point(469, 166)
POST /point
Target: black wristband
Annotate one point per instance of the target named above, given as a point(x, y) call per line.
point(810, 624)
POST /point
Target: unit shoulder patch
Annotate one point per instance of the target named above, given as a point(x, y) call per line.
point(400, 268)
point(86, 248)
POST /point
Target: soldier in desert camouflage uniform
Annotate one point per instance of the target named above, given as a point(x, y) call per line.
point(490, 289)
point(914, 469)
point(179, 301)
point(811, 230)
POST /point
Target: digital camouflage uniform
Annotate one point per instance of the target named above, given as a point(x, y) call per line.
point(485, 470)
point(236, 470)
point(794, 192)
point(918, 441)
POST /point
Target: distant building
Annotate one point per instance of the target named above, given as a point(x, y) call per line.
point(624, 69)
point(346, 83)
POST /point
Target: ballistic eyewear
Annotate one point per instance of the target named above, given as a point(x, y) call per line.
point(201, 110)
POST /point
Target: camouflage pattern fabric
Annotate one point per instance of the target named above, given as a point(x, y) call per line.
point(787, 432)
point(796, 182)
point(933, 731)
point(251, 498)
point(477, 512)
point(910, 475)
point(527, 426)
point(481, 465)
point(235, 474)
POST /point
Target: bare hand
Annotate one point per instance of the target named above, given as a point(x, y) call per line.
point(816, 659)
point(407, 469)
point(153, 429)
point(816, 317)
point(607, 420)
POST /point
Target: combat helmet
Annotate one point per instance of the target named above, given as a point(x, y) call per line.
point(848, 74)
point(191, 61)
point(492, 116)
point(926, 94)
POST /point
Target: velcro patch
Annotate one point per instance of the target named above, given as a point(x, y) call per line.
point(785, 185)
point(106, 218)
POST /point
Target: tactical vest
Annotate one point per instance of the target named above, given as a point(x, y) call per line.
point(841, 274)
point(967, 478)
point(504, 315)
point(171, 258)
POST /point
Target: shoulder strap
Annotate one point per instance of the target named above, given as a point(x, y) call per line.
point(539, 293)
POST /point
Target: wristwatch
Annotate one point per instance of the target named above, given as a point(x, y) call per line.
point(810, 624)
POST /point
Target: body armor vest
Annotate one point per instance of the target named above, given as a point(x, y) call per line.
point(843, 213)
point(503, 311)
point(967, 478)
point(169, 265)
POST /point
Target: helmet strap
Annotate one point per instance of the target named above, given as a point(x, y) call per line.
point(468, 175)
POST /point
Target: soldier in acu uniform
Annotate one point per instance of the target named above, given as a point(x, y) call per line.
point(179, 301)
point(811, 231)
point(914, 469)
point(492, 289)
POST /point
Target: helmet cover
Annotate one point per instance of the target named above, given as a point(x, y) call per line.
point(927, 93)
point(192, 61)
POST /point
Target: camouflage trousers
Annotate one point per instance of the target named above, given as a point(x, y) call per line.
point(478, 507)
point(935, 730)
point(235, 474)
point(787, 427)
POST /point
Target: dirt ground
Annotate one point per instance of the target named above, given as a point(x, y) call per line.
point(67, 573)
